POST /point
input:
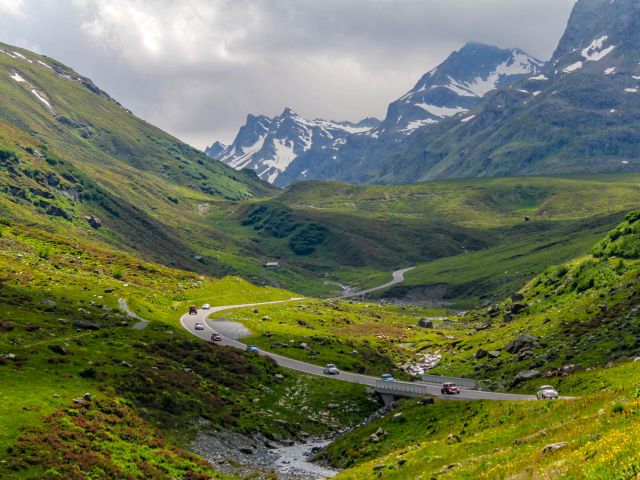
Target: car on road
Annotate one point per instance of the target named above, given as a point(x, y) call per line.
point(547, 392)
point(331, 369)
point(449, 388)
point(206, 306)
point(216, 337)
point(193, 310)
point(387, 377)
point(252, 349)
point(199, 326)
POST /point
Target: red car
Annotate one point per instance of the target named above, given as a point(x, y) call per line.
point(216, 337)
point(450, 389)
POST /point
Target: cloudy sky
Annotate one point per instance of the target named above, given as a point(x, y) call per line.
point(196, 68)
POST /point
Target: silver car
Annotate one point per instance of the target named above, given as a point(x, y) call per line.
point(547, 392)
point(331, 369)
point(199, 326)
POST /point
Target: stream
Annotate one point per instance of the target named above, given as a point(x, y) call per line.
point(235, 454)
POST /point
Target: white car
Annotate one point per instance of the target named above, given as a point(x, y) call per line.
point(199, 326)
point(331, 369)
point(547, 392)
point(206, 306)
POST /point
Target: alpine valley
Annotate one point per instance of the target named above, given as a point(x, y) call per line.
point(300, 304)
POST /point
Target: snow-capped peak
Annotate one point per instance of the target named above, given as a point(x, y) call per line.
point(269, 145)
point(456, 86)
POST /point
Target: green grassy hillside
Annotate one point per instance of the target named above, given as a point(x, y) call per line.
point(62, 334)
point(472, 240)
point(70, 154)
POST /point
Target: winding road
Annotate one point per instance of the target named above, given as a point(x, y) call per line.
point(230, 331)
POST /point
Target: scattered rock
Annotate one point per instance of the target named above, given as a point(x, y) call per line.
point(49, 303)
point(448, 468)
point(517, 308)
point(517, 297)
point(373, 438)
point(402, 461)
point(425, 323)
point(527, 375)
point(481, 353)
point(94, 222)
point(247, 450)
point(554, 447)
point(426, 401)
point(379, 467)
point(453, 438)
point(494, 354)
point(58, 349)
point(86, 325)
point(521, 343)
point(266, 318)
point(399, 418)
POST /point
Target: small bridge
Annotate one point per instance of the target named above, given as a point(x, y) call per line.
point(389, 391)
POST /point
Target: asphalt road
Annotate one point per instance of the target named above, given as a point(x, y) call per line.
point(227, 330)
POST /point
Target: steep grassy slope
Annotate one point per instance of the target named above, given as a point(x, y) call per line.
point(576, 316)
point(70, 154)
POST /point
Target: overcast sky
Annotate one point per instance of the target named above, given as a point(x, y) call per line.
point(196, 68)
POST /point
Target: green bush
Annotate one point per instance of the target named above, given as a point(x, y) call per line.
point(306, 239)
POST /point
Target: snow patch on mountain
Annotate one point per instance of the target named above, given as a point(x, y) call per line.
point(596, 51)
point(16, 76)
point(270, 145)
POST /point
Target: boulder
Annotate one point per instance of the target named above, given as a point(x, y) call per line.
point(373, 438)
point(58, 349)
point(517, 308)
point(399, 418)
point(247, 450)
point(94, 222)
point(481, 353)
point(379, 467)
point(86, 325)
point(523, 342)
point(527, 375)
point(554, 447)
point(426, 401)
point(494, 354)
point(425, 323)
point(517, 297)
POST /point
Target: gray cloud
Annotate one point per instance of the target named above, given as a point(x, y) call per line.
point(196, 68)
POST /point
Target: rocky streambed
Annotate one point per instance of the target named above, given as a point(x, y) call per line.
point(236, 454)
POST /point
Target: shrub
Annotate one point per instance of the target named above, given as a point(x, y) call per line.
point(304, 242)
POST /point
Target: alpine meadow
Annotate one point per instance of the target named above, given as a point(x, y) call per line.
point(450, 290)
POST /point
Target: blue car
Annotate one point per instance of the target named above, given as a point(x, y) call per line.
point(387, 377)
point(252, 349)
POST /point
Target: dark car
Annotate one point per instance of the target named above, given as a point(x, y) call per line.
point(450, 389)
point(215, 337)
point(193, 310)
point(252, 349)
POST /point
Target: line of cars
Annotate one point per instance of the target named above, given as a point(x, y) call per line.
point(545, 392)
